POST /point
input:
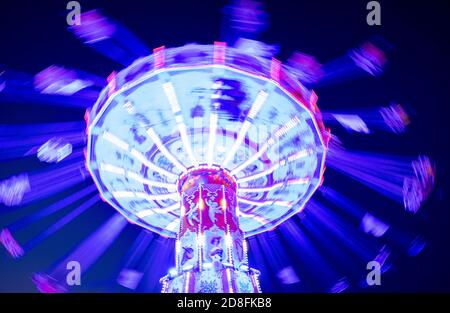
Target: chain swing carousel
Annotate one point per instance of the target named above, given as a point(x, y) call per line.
point(208, 145)
point(211, 145)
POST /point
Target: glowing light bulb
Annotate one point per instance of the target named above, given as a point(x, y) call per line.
point(201, 239)
point(223, 204)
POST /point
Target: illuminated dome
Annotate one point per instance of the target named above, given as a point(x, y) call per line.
point(205, 105)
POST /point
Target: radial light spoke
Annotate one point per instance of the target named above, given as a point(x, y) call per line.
point(256, 106)
point(172, 98)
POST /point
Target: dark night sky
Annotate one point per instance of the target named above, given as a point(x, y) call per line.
point(33, 35)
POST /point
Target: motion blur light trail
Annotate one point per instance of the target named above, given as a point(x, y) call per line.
point(26, 188)
point(218, 152)
point(408, 181)
point(393, 118)
point(109, 38)
point(88, 251)
point(52, 209)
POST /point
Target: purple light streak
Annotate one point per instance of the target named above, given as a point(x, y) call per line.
point(132, 272)
point(109, 38)
point(61, 223)
point(55, 207)
point(86, 253)
point(395, 177)
point(7, 238)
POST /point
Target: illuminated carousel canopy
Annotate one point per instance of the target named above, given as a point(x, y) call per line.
point(205, 105)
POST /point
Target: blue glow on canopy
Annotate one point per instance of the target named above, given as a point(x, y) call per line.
point(156, 124)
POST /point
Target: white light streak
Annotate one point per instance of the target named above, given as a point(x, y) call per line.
point(173, 226)
point(290, 158)
point(230, 286)
point(299, 181)
point(261, 174)
point(256, 106)
point(245, 127)
point(259, 101)
point(172, 98)
point(212, 138)
point(267, 202)
point(145, 213)
point(282, 130)
point(135, 176)
point(157, 141)
point(188, 277)
point(201, 239)
point(139, 156)
point(186, 143)
point(148, 212)
point(257, 218)
point(143, 195)
point(123, 194)
point(139, 178)
point(115, 141)
point(299, 154)
point(254, 157)
point(228, 240)
point(112, 169)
